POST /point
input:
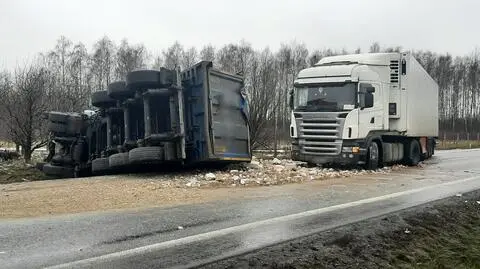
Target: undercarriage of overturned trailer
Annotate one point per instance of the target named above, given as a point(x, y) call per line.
point(153, 118)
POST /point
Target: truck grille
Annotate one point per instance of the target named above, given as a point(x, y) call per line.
point(320, 135)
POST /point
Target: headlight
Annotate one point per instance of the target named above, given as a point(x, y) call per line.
point(351, 149)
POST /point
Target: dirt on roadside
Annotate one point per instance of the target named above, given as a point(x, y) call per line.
point(64, 196)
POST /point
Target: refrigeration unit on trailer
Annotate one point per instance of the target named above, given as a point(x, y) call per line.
point(364, 109)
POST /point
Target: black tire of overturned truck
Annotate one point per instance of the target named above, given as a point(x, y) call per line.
point(62, 159)
point(146, 155)
point(413, 152)
point(60, 117)
point(69, 129)
point(373, 156)
point(100, 166)
point(57, 127)
point(78, 171)
point(118, 160)
point(144, 79)
point(80, 152)
point(40, 165)
point(119, 91)
point(101, 99)
point(57, 171)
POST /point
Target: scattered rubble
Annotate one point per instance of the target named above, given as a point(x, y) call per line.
point(261, 172)
point(276, 161)
point(274, 172)
point(210, 176)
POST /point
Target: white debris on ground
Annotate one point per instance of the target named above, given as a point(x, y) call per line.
point(261, 173)
point(210, 176)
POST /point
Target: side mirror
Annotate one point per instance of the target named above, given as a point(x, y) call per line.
point(290, 99)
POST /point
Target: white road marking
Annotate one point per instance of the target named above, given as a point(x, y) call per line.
point(3, 252)
point(244, 227)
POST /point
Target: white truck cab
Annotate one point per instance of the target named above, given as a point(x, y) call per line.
point(364, 109)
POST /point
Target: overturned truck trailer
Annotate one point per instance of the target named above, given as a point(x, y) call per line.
point(154, 117)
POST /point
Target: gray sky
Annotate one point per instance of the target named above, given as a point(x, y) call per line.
point(31, 26)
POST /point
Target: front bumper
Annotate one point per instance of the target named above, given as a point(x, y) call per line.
point(345, 158)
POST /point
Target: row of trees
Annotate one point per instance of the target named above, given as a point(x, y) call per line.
point(64, 78)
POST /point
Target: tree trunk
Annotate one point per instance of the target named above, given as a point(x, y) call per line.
point(275, 134)
point(27, 155)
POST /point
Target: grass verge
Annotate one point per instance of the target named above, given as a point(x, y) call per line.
point(461, 144)
point(18, 171)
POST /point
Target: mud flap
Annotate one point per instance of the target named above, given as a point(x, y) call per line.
point(423, 144)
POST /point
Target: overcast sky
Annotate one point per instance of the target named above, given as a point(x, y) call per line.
point(31, 26)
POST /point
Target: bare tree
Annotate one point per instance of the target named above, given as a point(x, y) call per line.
point(24, 106)
point(80, 78)
point(102, 65)
point(158, 62)
point(207, 53)
point(375, 47)
point(173, 56)
point(128, 58)
point(189, 57)
point(262, 98)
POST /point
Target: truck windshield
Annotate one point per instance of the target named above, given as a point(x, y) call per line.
point(326, 97)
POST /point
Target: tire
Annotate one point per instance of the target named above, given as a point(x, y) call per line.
point(144, 79)
point(433, 146)
point(118, 91)
point(57, 171)
point(146, 155)
point(388, 155)
point(78, 172)
point(413, 152)
point(62, 160)
point(65, 140)
point(100, 166)
point(118, 160)
point(79, 152)
point(57, 127)
point(40, 165)
point(69, 129)
point(101, 99)
point(373, 156)
point(56, 116)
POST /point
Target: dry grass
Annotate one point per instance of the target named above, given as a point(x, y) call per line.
point(18, 171)
point(461, 144)
point(443, 240)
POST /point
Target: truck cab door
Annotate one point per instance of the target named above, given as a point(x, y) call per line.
point(370, 116)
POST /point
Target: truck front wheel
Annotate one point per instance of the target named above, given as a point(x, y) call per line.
point(373, 156)
point(412, 152)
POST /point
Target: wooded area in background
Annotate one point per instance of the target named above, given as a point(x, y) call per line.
point(64, 78)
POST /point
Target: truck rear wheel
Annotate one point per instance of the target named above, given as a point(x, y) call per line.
point(373, 156)
point(413, 152)
point(100, 166)
point(101, 99)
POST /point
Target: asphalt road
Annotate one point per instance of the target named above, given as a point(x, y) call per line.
point(191, 235)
